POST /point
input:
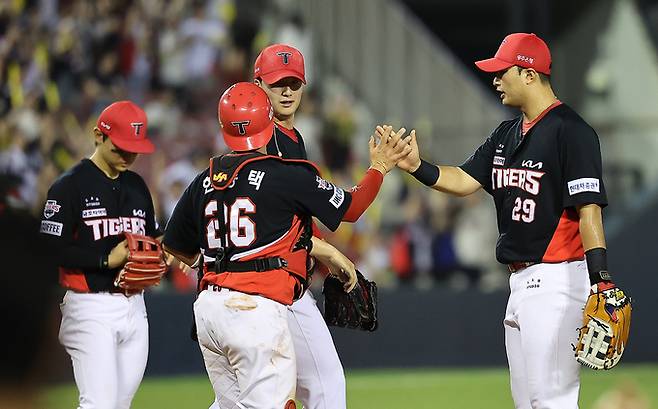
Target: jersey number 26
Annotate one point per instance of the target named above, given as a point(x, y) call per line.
point(241, 229)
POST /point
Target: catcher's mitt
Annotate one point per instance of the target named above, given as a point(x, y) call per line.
point(145, 265)
point(606, 324)
point(356, 309)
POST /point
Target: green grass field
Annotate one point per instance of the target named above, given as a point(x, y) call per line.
point(388, 389)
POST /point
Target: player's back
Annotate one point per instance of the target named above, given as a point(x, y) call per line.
point(266, 203)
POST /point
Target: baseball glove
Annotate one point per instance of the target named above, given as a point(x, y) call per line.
point(356, 309)
point(146, 264)
point(606, 324)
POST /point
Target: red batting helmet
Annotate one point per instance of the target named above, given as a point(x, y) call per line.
point(245, 115)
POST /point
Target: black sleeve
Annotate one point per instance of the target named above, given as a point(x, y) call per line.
point(581, 164)
point(59, 223)
point(182, 231)
point(312, 195)
point(153, 228)
point(479, 164)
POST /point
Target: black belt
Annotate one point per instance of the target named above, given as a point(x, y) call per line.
point(259, 265)
point(519, 265)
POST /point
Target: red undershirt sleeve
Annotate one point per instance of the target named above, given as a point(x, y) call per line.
point(363, 195)
point(316, 230)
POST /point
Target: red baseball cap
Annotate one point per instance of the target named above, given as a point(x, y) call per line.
point(522, 49)
point(125, 124)
point(279, 61)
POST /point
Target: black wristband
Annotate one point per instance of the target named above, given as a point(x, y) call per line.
point(599, 277)
point(426, 173)
point(597, 265)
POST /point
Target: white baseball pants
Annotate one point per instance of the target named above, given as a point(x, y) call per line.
point(106, 336)
point(543, 314)
point(247, 349)
point(320, 376)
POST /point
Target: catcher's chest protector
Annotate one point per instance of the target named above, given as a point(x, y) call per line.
point(293, 249)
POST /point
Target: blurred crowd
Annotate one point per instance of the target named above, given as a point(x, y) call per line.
point(63, 61)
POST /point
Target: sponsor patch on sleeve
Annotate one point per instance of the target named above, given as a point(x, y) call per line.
point(52, 228)
point(583, 185)
point(323, 184)
point(337, 198)
point(50, 208)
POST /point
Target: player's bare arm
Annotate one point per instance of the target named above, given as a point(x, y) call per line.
point(118, 255)
point(189, 259)
point(591, 226)
point(337, 263)
point(447, 179)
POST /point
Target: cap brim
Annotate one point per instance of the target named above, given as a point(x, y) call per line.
point(134, 146)
point(493, 65)
point(276, 76)
point(256, 141)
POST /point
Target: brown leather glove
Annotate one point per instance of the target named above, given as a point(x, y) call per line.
point(606, 325)
point(146, 263)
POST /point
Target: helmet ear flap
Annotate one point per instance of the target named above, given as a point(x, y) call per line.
point(245, 117)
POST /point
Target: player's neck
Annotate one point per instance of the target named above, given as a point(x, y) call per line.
point(286, 122)
point(537, 103)
point(109, 171)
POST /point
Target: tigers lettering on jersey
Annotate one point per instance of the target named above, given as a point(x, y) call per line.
point(84, 218)
point(114, 226)
point(524, 179)
point(538, 177)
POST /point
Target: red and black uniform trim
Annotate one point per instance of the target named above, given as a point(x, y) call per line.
point(538, 173)
point(284, 193)
point(83, 219)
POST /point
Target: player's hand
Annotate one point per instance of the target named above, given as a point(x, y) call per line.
point(340, 266)
point(174, 262)
point(337, 263)
point(388, 148)
point(412, 161)
point(118, 255)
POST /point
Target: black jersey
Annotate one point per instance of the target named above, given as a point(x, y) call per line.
point(83, 219)
point(287, 144)
point(262, 206)
point(536, 181)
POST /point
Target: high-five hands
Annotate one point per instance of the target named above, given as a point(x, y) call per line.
point(411, 162)
point(388, 148)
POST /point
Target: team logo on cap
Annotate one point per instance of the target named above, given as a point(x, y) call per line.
point(285, 55)
point(241, 125)
point(106, 126)
point(137, 126)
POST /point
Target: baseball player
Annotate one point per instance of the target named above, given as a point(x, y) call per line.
point(279, 71)
point(104, 329)
point(249, 214)
point(543, 169)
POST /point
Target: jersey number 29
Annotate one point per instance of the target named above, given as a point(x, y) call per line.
point(524, 210)
point(241, 229)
